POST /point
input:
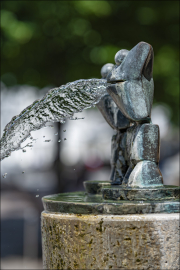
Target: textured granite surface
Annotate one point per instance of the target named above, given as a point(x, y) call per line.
point(149, 241)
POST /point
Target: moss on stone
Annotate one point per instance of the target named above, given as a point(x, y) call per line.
point(91, 241)
point(100, 226)
point(75, 264)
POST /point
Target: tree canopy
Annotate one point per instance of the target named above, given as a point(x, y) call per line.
point(55, 42)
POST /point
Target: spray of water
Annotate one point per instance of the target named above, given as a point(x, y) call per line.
point(57, 105)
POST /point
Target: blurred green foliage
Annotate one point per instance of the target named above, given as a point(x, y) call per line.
point(54, 42)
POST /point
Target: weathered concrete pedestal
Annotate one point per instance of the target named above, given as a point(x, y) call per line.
point(149, 241)
point(79, 231)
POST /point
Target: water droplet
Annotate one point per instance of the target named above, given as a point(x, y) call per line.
point(4, 175)
point(64, 130)
point(43, 136)
point(37, 189)
point(31, 138)
point(74, 169)
point(56, 134)
point(47, 140)
point(65, 139)
point(37, 196)
point(23, 172)
point(59, 140)
point(24, 150)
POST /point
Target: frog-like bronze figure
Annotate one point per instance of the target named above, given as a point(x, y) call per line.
point(127, 109)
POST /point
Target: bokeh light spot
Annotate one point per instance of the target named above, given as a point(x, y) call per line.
point(98, 8)
point(146, 15)
point(92, 38)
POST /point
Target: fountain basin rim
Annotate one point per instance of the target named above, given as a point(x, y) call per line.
point(81, 203)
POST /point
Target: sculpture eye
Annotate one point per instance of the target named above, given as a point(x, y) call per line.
point(120, 56)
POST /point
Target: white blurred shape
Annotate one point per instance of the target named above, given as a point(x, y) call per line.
point(86, 138)
point(161, 116)
point(171, 171)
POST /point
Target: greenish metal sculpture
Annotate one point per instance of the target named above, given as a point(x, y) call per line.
point(127, 108)
point(136, 183)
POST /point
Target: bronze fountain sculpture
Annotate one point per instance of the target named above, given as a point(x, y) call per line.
point(127, 109)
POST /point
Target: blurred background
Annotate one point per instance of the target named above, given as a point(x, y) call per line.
point(46, 44)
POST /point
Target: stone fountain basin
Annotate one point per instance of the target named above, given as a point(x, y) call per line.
point(114, 200)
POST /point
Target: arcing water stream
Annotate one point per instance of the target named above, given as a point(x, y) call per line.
point(57, 105)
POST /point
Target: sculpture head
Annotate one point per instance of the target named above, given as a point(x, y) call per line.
point(131, 83)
